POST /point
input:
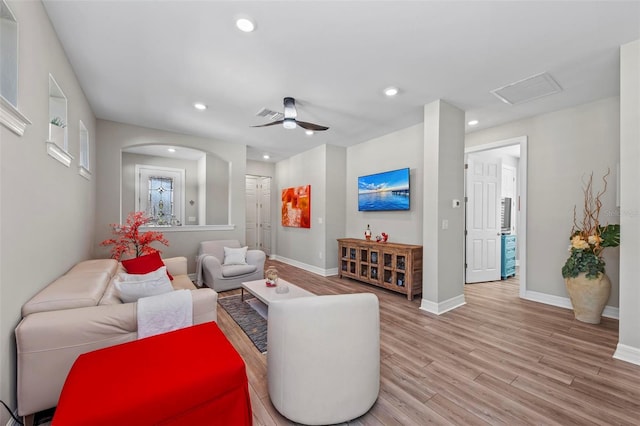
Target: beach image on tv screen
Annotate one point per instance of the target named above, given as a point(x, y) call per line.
point(384, 191)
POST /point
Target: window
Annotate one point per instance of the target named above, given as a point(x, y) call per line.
point(57, 144)
point(8, 55)
point(10, 117)
point(160, 193)
point(84, 151)
point(57, 114)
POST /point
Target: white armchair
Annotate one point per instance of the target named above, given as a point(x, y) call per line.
point(323, 357)
point(212, 272)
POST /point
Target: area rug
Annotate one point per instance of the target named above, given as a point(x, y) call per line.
point(249, 320)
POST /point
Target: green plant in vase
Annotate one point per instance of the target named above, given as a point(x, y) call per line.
point(57, 121)
point(584, 270)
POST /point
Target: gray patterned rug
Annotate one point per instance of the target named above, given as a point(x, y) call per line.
point(251, 322)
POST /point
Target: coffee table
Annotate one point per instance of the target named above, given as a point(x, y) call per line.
point(268, 294)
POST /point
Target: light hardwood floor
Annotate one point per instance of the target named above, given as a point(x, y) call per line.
point(497, 360)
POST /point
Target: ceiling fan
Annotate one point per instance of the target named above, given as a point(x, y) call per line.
point(289, 121)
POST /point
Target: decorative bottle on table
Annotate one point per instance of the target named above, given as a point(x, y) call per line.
point(272, 277)
point(367, 233)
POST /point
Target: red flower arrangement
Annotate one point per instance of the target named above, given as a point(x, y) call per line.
point(129, 240)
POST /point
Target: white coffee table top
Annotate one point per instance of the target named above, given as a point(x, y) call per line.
point(268, 294)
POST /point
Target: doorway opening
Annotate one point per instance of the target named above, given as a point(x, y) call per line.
point(485, 222)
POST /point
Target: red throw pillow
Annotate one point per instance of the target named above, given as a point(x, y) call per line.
point(145, 264)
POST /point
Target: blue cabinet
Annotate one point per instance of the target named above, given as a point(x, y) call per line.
point(508, 263)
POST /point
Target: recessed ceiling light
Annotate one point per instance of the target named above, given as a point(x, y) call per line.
point(309, 132)
point(200, 106)
point(391, 91)
point(171, 149)
point(473, 122)
point(266, 156)
point(245, 25)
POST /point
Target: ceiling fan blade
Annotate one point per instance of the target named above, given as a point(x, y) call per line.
point(273, 123)
point(311, 126)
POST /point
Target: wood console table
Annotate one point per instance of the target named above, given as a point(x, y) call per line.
point(394, 266)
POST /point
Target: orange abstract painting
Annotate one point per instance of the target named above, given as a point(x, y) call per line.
point(296, 207)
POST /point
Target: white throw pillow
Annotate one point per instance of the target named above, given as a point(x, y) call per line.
point(143, 277)
point(235, 256)
point(131, 291)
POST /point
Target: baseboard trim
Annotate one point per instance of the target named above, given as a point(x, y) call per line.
point(565, 302)
point(627, 354)
point(442, 307)
point(310, 268)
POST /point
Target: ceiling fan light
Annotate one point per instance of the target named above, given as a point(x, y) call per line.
point(309, 132)
point(289, 123)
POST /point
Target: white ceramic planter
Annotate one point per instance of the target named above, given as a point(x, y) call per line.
point(588, 296)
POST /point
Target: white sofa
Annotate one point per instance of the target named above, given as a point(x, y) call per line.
point(77, 313)
point(213, 273)
point(323, 357)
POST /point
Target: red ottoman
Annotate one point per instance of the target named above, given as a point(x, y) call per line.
point(187, 376)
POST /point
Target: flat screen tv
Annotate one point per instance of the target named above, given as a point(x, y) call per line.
point(384, 191)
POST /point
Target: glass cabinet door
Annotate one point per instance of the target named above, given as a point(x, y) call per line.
point(400, 279)
point(374, 273)
point(364, 270)
point(401, 263)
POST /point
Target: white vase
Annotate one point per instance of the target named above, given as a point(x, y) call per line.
point(588, 296)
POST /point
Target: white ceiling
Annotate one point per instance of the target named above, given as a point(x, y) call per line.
point(147, 62)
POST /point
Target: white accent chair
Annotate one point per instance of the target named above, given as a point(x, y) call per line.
point(212, 272)
point(323, 357)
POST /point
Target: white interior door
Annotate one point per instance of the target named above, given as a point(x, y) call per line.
point(265, 215)
point(484, 181)
point(142, 191)
point(251, 226)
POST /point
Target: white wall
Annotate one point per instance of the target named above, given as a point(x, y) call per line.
point(629, 342)
point(217, 190)
point(443, 272)
point(301, 244)
point(190, 167)
point(308, 248)
point(113, 137)
point(564, 147)
point(47, 216)
point(261, 168)
point(334, 220)
point(395, 150)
